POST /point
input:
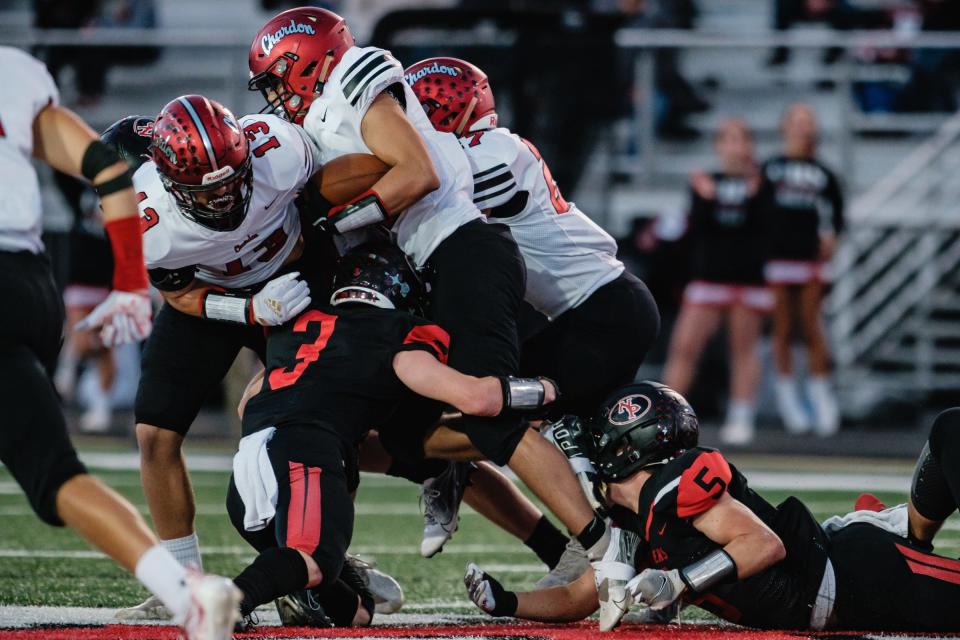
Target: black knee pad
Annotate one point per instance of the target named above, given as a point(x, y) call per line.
point(929, 492)
point(43, 492)
point(945, 436)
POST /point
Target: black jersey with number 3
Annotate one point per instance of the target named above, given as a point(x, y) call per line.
point(333, 367)
point(782, 595)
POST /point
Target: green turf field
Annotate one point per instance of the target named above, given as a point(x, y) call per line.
point(40, 565)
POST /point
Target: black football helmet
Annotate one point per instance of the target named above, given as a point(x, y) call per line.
point(131, 137)
point(378, 274)
point(639, 426)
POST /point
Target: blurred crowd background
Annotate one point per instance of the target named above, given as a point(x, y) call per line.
point(677, 125)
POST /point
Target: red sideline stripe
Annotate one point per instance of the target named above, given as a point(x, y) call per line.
point(580, 631)
point(930, 559)
point(303, 514)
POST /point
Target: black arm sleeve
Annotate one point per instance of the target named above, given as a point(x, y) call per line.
point(171, 279)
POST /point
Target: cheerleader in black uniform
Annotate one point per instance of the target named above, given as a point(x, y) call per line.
point(727, 282)
point(803, 211)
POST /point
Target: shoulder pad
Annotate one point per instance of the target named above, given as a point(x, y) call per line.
point(702, 482)
point(281, 150)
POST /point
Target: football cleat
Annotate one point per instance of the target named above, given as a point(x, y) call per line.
point(302, 609)
point(149, 609)
point(214, 607)
point(573, 564)
point(481, 588)
point(386, 592)
point(611, 574)
point(441, 497)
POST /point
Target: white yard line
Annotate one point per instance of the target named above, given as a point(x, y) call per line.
point(18, 617)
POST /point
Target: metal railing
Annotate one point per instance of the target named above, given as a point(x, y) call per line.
point(903, 245)
point(643, 42)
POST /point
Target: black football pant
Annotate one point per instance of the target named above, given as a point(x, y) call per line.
point(316, 474)
point(478, 284)
point(34, 444)
point(595, 348)
point(885, 583)
point(935, 490)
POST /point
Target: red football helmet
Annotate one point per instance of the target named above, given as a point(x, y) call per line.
point(292, 57)
point(204, 161)
point(455, 94)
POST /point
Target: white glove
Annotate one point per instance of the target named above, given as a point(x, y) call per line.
point(280, 300)
point(488, 594)
point(123, 317)
point(657, 589)
point(611, 575)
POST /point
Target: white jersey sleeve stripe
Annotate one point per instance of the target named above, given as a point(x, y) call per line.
point(487, 201)
point(368, 81)
point(499, 167)
point(357, 64)
point(203, 132)
point(355, 86)
point(492, 182)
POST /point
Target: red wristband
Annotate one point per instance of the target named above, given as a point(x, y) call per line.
point(126, 240)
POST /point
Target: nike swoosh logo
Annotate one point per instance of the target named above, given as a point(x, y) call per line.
point(270, 204)
point(323, 118)
point(662, 529)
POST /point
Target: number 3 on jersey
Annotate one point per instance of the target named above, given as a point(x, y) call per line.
point(556, 199)
point(308, 353)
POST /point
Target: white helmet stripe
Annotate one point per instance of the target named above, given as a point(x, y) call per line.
point(207, 144)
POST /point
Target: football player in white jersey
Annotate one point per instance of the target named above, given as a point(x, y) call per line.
point(33, 438)
point(596, 320)
point(219, 227)
point(353, 99)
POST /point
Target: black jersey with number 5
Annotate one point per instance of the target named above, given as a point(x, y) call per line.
point(781, 596)
point(333, 367)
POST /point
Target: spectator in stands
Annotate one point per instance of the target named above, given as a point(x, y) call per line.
point(727, 285)
point(91, 63)
point(802, 207)
point(838, 14)
point(70, 14)
point(88, 284)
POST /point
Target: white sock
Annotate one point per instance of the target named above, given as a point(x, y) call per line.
point(166, 578)
point(186, 550)
point(740, 412)
point(819, 386)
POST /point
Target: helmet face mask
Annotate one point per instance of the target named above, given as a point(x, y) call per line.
point(203, 159)
point(220, 205)
point(275, 87)
point(379, 275)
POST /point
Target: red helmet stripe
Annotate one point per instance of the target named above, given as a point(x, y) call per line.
point(207, 144)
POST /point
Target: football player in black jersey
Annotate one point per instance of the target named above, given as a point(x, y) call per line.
point(692, 531)
point(334, 373)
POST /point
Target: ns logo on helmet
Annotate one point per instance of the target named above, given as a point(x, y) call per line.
point(629, 409)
